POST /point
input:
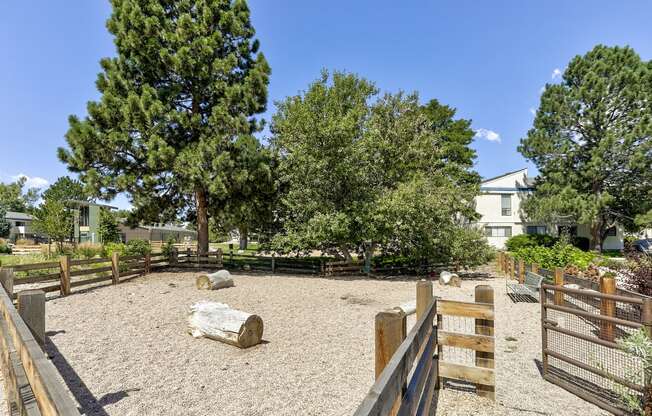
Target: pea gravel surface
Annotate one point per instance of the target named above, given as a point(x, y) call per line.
point(125, 349)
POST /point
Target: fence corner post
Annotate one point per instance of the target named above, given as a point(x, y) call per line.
point(646, 319)
point(64, 274)
point(424, 296)
point(607, 308)
point(31, 307)
point(485, 294)
point(559, 282)
point(115, 267)
point(7, 281)
point(390, 331)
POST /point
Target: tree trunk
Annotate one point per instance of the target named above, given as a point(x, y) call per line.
point(218, 321)
point(244, 238)
point(596, 236)
point(346, 254)
point(202, 222)
point(219, 280)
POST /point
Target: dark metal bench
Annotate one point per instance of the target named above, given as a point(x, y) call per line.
point(528, 289)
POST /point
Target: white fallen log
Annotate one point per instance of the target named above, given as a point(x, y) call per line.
point(214, 281)
point(408, 308)
point(219, 322)
point(449, 279)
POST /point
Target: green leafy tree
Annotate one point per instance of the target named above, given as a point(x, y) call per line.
point(109, 231)
point(185, 86)
point(364, 172)
point(14, 197)
point(5, 227)
point(65, 189)
point(55, 220)
point(591, 142)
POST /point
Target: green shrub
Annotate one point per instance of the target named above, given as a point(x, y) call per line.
point(137, 248)
point(110, 248)
point(5, 249)
point(88, 250)
point(559, 255)
point(166, 249)
point(529, 240)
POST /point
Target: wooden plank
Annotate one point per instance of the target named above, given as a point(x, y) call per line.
point(465, 309)
point(476, 375)
point(428, 391)
point(89, 261)
point(53, 397)
point(37, 279)
point(35, 266)
point(472, 342)
point(132, 272)
point(85, 272)
point(389, 384)
point(414, 390)
point(90, 281)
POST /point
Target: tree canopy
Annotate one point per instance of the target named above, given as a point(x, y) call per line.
point(591, 142)
point(5, 227)
point(184, 87)
point(362, 169)
point(13, 196)
point(55, 220)
point(66, 189)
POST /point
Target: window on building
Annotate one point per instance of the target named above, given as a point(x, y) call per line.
point(506, 205)
point(611, 232)
point(569, 230)
point(22, 224)
point(536, 229)
point(83, 216)
point(498, 231)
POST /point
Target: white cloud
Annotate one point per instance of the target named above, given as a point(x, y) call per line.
point(32, 181)
point(556, 74)
point(533, 111)
point(490, 135)
point(542, 89)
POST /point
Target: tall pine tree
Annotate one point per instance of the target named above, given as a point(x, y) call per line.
point(185, 85)
point(592, 143)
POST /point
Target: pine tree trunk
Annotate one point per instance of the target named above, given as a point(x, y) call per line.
point(244, 238)
point(596, 237)
point(202, 222)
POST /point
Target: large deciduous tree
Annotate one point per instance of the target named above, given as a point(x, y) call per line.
point(366, 172)
point(54, 219)
point(14, 197)
point(591, 142)
point(185, 85)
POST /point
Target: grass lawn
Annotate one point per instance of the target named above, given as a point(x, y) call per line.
point(12, 260)
point(252, 248)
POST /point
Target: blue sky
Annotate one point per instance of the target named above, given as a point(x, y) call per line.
point(489, 59)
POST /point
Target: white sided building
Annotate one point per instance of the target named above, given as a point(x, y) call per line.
point(499, 205)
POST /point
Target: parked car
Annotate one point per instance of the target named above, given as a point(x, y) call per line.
point(644, 246)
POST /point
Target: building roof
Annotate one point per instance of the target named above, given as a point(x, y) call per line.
point(167, 227)
point(503, 175)
point(87, 203)
point(12, 215)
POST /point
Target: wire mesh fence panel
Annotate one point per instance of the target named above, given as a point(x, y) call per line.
point(581, 333)
point(458, 325)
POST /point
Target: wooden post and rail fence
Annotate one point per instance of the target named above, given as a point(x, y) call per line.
point(409, 367)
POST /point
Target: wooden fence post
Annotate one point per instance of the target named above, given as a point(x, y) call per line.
point(148, 262)
point(64, 274)
point(484, 294)
point(7, 281)
point(607, 308)
point(390, 331)
point(31, 307)
point(115, 267)
point(646, 319)
point(174, 257)
point(189, 254)
point(499, 261)
point(559, 282)
point(273, 262)
point(521, 271)
point(220, 260)
point(503, 264)
point(424, 296)
point(535, 268)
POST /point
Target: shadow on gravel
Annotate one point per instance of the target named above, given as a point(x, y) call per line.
point(89, 405)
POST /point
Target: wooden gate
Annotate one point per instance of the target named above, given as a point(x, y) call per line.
point(580, 348)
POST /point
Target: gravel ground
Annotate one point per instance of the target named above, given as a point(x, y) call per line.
point(124, 350)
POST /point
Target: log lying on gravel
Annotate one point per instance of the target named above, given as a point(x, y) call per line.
point(214, 281)
point(449, 279)
point(217, 321)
